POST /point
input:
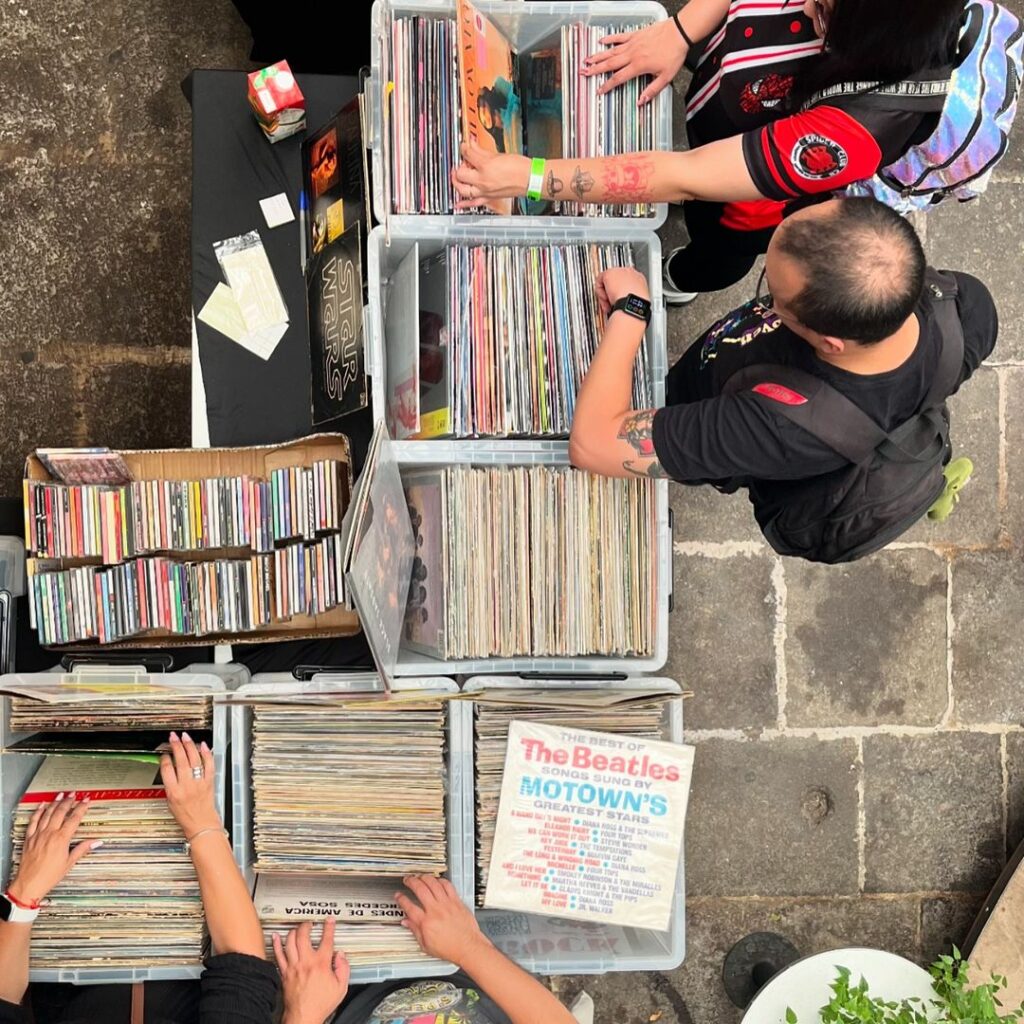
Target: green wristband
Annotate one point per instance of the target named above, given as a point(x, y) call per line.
point(536, 189)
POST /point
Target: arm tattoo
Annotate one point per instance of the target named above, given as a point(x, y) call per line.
point(581, 183)
point(627, 179)
point(555, 185)
point(637, 432)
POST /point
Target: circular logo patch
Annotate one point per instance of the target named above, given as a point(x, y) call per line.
point(814, 156)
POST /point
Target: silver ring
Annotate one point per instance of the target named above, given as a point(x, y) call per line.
point(197, 772)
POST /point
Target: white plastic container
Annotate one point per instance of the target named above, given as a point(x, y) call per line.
point(525, 23)
point(17, 771)
point(385, 254)
point(548, 945)
point(437, 454)
point(460, 767)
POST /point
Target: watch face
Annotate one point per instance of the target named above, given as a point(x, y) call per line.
point(5, 908)
point(637, 306)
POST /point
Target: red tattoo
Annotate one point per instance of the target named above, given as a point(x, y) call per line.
point(627, 179)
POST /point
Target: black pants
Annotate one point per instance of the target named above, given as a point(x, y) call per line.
point(717, 256)
point(165, 1001)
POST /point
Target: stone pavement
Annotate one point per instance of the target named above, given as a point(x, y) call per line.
point(860, 768)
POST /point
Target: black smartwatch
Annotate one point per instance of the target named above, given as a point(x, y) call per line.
point(634, 306)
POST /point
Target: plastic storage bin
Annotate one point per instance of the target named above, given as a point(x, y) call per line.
point(384, 254)
point(437, 454)
point(549, 945)
point(527, 25)
point(17, 770)
point(460, 767)
point(12, 565)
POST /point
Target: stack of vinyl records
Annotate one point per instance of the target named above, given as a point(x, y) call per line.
point(623, 712)
point(135, 901)
point(358, 791)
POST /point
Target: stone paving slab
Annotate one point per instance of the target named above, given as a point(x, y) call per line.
point(988, 644)
point(946, 922)
point(1015, 791)
point(721, 645)
point(1013, 454)
point(703, 516)
point(855, 660)
point(773, 818)
point(933, 812)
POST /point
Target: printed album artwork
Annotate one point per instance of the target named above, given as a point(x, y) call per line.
point(462, 79)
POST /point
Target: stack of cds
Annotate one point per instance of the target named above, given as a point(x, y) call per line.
point(308, 578)
point(109, 604)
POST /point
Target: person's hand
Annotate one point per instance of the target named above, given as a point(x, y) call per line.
point(618, 282)
point(483, 176)
point(443, 925)
point(187, 775)
point(315, 981)
point(657, 50)
point(47, 855)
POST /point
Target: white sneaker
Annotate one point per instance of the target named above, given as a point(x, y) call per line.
point(673, 296)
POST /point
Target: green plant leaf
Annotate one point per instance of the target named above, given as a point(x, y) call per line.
point(790, 1016)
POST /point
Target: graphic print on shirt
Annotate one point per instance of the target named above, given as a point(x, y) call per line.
point(744, 325)
point(766, 93)
point(816, 157)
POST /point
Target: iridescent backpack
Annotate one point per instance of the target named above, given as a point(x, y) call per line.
point(980, 102)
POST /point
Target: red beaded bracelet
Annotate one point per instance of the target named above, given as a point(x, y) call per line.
point(24, 906)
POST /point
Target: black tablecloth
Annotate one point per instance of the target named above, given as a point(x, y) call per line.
point(249, 400)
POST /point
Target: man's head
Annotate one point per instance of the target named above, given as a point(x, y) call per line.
point(845, 272)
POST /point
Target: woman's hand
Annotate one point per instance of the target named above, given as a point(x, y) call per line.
point(482, 176)
point(657, 50)
point(315, 981)
point(618, 282)
point(442, 924)
point(47, 855)
point(187, 774)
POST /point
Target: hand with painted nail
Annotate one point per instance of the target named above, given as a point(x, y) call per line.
point(48, 854)
point(187, 775)
point(442, 924)
point(315, 981)
point(658, 50)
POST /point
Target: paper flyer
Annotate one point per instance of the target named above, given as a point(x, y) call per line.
point(590, 826)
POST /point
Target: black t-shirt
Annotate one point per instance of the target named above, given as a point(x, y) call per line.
point(703, 435)
point(234, 989)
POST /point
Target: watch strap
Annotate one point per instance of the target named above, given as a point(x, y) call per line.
point(19, 913)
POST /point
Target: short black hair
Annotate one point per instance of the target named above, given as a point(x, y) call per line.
point(865, 269)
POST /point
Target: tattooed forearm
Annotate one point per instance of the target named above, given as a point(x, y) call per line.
point(637, 431)
point(627, 179)
point(581, 183)
point(555, 185)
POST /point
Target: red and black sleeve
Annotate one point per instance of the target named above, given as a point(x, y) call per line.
point(819, 150)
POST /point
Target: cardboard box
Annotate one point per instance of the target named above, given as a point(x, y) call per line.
point(198, 464)
point(277, 101)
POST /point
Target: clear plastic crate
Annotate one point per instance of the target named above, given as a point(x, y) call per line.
point(460, 766)
point(526, 24)
point(17, 771)
point(549, 945)
point(12, 565)
point(384, 254)
point(437, 454)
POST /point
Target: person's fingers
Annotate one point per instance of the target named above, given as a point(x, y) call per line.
point(33, 822)
point(206, 754)
point(653, 89)
point(418, 887)
point(342, 969)
point(291, 948)
point(74, 819)
point(303, 941)
point(616, 37)
point(467, 204)
point(83, 849)
point(467, 175)
point(412, 910)
point(282, 960)
point(180, 758)
point(168, 776)
point(49, 811)
point(615, 81)
point(599, 61)
point(327, 938)
point(433, 883)
point(613, 60)
point(191, 752)
point(449, 890)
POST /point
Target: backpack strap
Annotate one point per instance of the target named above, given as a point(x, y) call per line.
point(813, 404)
